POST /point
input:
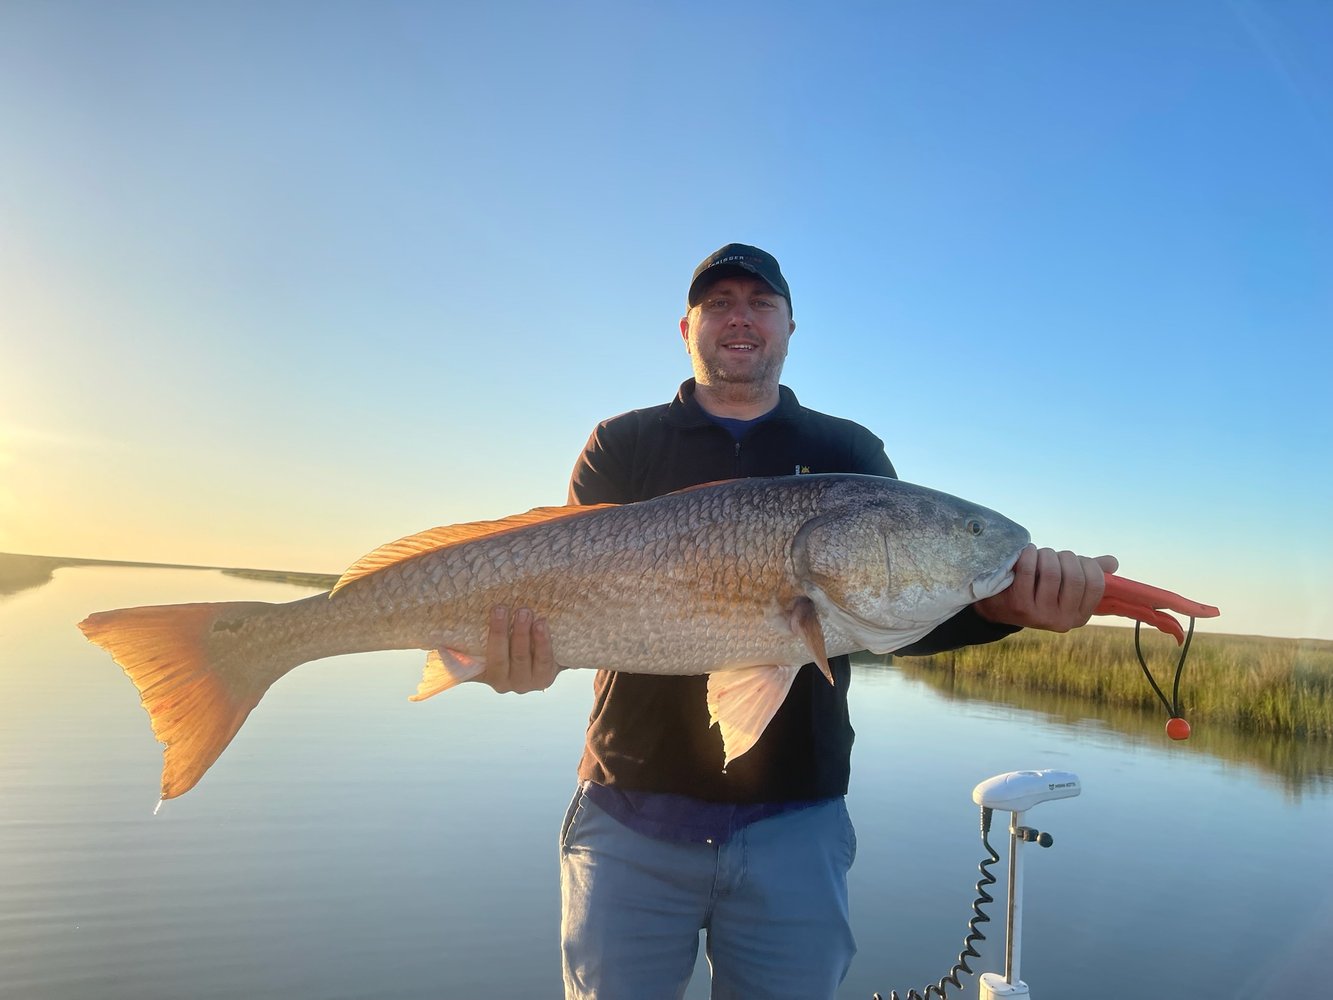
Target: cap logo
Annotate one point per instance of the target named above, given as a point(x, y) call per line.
point(748, 258)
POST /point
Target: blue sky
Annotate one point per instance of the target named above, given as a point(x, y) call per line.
point(279, 282)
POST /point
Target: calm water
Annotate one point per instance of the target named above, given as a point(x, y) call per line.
point(351, 844)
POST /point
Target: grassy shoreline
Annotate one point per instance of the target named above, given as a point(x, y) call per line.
point(1253, 684)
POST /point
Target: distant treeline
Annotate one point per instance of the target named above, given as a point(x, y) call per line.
point(23, 572)
point(320, 581)
point(1255, 684)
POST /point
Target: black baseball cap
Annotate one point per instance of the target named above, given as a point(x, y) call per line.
point(738, 258)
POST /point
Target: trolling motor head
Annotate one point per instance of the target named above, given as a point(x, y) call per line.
point(1019, 791)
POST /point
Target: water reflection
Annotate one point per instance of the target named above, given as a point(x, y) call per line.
point(1298, 764)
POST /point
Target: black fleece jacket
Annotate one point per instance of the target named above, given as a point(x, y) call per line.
point(651, 733)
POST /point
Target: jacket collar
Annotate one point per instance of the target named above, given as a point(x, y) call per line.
point(685, 411)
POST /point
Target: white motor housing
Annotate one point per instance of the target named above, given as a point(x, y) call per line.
point(1018, 791)
point(995, 987)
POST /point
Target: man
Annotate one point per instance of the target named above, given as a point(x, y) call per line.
point(661, 841)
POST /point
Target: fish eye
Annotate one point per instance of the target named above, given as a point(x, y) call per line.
point(975, 527)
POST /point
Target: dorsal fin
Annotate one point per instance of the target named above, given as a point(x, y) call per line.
point(702, 486)
point(435, 539)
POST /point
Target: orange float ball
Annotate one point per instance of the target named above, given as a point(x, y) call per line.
point(1178, 729)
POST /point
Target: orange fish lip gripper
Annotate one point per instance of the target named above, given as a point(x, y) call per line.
point(1145, 604)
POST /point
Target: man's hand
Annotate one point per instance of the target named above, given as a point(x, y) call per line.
point(518, 659)
point(1055, 591)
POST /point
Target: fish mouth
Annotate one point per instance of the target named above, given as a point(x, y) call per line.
point(990, 584)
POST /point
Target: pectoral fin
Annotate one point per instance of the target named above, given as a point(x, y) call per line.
point(805, 623)
point(444, 669)
point(742, 702)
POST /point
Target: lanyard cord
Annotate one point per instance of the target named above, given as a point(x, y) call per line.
point(1172, 706)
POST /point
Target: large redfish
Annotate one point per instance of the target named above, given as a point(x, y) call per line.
point(744, 580)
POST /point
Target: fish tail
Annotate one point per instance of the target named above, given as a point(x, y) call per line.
point(196, 698)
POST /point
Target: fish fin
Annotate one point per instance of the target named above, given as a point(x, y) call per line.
point(805, 623)
point(446, 668)
point(195, 705)
point(702, 486)
point(435, 539)
point(742, 702)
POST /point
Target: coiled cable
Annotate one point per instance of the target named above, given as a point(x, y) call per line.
point(974, 934)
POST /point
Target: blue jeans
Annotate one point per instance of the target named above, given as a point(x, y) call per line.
point(772, 901)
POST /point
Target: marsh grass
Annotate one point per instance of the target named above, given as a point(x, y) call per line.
point(1253, 684)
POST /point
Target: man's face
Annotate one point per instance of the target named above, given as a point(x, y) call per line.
point(738, 333)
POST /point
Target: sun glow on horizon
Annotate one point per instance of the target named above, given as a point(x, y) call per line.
point(1074, 277)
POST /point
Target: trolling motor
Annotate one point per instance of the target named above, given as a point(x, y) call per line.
point(1014, 792)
